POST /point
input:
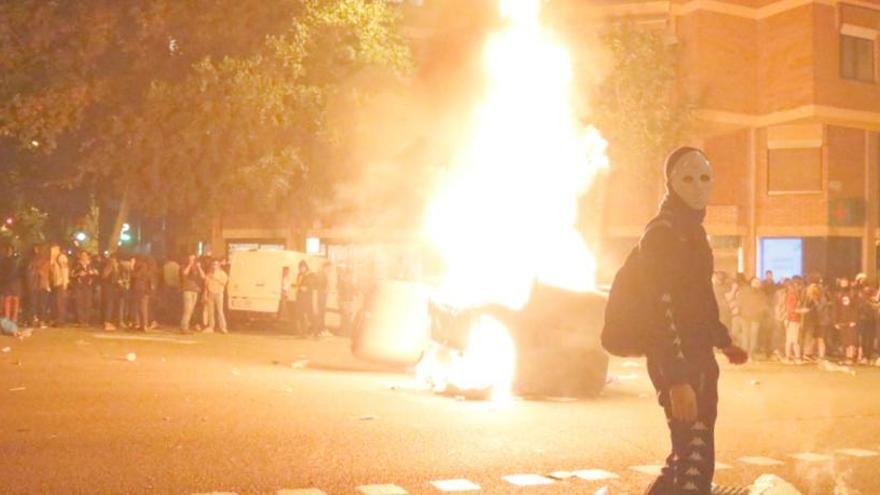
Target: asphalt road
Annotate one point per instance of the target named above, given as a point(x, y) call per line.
point(258, 414)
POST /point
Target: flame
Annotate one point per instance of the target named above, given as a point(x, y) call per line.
point(505, 214)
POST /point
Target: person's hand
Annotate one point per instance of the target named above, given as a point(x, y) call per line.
point(683, 401)
point(735, 354)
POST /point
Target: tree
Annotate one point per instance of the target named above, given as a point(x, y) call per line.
point(192, 106)
point(640, 109)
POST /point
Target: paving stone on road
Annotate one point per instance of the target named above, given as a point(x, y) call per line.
point(381, 490)
point(858, 452)
point(459, 485)
point(649, 469)
point(301, 491)
point(595, 475)
point(527, 480)
point(761, 461)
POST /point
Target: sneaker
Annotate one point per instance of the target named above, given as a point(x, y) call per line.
point(109, 327)
point(325, 334)
point(208, 330)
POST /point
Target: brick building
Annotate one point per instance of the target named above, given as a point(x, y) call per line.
point(789, 114)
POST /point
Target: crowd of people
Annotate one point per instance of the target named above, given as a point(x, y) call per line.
point(49, 286)
point(801, 319)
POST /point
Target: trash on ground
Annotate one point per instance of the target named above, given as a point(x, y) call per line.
point(17, 389)
point(130, 357)
point(770, 484)
point(366, 417)
point(829, 366)
point(7, 349)
point(602, 491)
point(299, 364)
point(755, 382)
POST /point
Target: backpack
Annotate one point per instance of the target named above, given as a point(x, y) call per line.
point(627, 320)
point(629, 311)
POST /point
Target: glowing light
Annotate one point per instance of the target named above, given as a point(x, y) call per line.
point(80, 236)
point(505, 215)
point(313, 245)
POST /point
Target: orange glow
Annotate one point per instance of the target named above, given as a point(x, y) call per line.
point(505, 214)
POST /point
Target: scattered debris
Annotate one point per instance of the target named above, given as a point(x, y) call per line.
point(770, 484)
point(166, 418)
point(755, 382)
point(17, 362)
point(602, 491)
point(300, 363)
point(366, 417)
point(829, 366)
point(17, 389)
point(7, 349)
point(130, 357)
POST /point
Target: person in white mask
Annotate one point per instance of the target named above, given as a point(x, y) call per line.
point(677, 265)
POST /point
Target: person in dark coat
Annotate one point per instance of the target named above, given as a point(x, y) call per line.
point(141, 289)
point(11, 283)
point(678, 264)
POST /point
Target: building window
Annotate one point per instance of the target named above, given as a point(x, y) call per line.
point(856, 58)
point(797, 170)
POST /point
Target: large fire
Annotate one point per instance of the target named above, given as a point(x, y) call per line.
point(505, 214)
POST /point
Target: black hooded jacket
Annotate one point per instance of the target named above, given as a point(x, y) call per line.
point(677, 262)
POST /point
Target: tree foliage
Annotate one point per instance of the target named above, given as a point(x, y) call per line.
point(639, 107)
point(186, 106)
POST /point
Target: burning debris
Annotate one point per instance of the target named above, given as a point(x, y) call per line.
point(503, 221)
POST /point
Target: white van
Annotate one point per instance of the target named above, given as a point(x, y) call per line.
point(255, 278)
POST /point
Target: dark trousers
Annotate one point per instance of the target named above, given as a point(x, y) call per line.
point(82, 298)
point(59, 296)
point(110, 297)
point(140, 308)
point(867, 333)
point(38, 301)
point(303, 318)
point(690, 466)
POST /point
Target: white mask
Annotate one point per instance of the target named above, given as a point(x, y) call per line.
point(692, 179)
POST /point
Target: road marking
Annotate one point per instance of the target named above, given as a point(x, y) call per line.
point(216, 493)
point(761, 461)
point(858, 452)
point(381, 490)
point(142, 338)
point(595, 475)
point(527, 480)
point(811, 457)
point(720, 466)
point(460, 485)
point(649, 469)
point(301, 491)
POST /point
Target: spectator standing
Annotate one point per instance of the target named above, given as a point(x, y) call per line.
point(753, 309)
point(811, 328)
point(191, 278)
point(82, 280)
point(793, 320)
point(305, 299)
point(60, 279)
point(39, 289)
point(846, 318)
point(171, 290)
point(110, 291)
point(123, 294)
point(215, 287)
point(867, 322)
point(720, 286)
point(737, 327)
point(825, 308)
point(10, 283)
point(141, 288)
